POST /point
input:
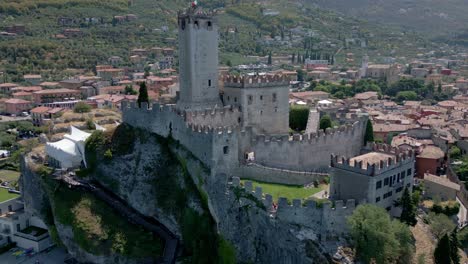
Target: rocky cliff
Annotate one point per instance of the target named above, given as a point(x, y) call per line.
point(161, 179)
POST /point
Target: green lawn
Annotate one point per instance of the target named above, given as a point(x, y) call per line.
point(5, 195)
point(288, 191)
point(8, 175)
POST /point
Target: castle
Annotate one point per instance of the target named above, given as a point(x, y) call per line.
point(248, 124)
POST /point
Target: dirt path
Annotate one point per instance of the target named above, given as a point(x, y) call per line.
point(425, 243)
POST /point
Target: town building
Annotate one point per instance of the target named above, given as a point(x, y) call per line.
point(41, 114)
point(34, 79)
point(431, 159)
point(16, 106)
point(440, 187)
point(55, 95)
point(379, 177)
point(21, 227)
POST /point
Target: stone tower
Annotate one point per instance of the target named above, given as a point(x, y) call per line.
point(364, 66)
point(198, 59)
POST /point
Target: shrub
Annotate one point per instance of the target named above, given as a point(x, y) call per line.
point(298, 116)
point(82, 107)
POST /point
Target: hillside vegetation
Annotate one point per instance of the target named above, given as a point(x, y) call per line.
point(243, 27)
point(432, 16)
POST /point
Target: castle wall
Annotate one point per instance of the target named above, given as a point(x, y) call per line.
point(272, 175)
point(213, 146)
point(325, 220)
point(217, 117)
point(307, 152)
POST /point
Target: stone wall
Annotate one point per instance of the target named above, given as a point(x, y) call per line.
point(281, 176)
point(215, 117)
point(213, 146)
point(325, 220)
point(305, 152)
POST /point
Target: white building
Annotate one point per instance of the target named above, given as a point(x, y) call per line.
point(68, 152)
point(20, 227)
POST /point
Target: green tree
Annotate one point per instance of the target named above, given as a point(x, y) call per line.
point(454, 245)
point(406, 96)
point(442, 251)
point(369, 136)
point(143, 94)
point(408, 213)
point(298, 116)
point(455, 152)
point(439, 224)
point(325, 122)
point(377, 238)
point(300, 75)
point(129, 90)
point(82, 107)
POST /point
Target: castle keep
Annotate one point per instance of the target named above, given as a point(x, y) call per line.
point(251, 119)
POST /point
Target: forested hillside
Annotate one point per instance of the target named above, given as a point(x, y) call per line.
point(435, 17)
point(42, 47)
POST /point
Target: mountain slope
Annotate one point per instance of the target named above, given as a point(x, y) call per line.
point(432, 16)
point(38, 50)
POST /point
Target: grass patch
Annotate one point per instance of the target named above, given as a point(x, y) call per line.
point(5, 195)
point(287, 191)
point(9, 175)
point(99, 230)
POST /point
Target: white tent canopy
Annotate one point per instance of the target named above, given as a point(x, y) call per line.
point(69, 152)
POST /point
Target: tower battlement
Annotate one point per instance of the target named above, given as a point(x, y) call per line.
point(382, 158)
point(246, 81)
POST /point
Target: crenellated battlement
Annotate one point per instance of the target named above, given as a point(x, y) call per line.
point(311, 138)
point(246, 81)
point(325, 218)
point(225, 116)
point(382, 157)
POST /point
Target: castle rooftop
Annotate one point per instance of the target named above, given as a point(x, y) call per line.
point(371, 158)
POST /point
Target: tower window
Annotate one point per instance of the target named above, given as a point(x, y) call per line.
point(225, 149)
point(196, 23)
point(235, 99)
point(261, 97)
point(209, 83)
point(274, 97)
point(250, 99)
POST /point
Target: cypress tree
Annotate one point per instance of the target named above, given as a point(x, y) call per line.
point(325, 122)
point(269, 59)
point(442, 251)
point(142, 94)
point(369, 136)
point(408, 213)
point(454, 245)
point(293, 58)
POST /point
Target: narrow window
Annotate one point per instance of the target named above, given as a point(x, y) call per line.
point(209, 83)
point(378, 185)
point(274, 97)
point(250, 99)
point(225, 150)
point(261, 97)
point(235, 99)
